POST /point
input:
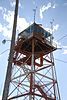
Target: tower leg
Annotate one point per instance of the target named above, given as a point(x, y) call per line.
point(32, 77)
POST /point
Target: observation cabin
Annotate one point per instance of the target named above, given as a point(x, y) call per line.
point(42, 45)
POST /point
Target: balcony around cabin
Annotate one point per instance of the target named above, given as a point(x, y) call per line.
point(37, 31)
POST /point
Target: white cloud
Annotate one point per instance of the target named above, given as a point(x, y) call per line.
point(54, 6)
point(34, 2)
point(6, 29)
point(13, 2)
point(64, 52)
point(8, 17)
point(7, 32)
point(65, 47)
point(3, 10)
point(0, 97)
point(22, 24)
point(58, 44)
point(45, 8)
point(55, 28)
point(1, 28)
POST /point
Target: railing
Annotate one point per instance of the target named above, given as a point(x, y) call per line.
point(51, 44)
point(40, 36)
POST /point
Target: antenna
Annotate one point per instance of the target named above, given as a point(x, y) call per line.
point(51, 22)
point(34, 10)
point(51, 37)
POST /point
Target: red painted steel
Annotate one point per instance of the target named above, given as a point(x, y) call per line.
point(33, 75)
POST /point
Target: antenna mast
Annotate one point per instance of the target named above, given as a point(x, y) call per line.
point(51, 22)
point(34, 10)
point(9, 67)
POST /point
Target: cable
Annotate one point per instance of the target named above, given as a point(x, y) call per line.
point(4, 51)
point(62, 37)
point(61, 60)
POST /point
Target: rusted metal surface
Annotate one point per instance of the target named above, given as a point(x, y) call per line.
point(34, 75)
point(41, 46)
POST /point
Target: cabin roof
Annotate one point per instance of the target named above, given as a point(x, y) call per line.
point(35, 28)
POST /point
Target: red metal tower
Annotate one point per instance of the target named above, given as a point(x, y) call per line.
point(33, 71)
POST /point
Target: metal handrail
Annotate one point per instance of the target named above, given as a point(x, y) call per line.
point(51, 44)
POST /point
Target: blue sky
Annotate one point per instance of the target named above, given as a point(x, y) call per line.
point(46, 11)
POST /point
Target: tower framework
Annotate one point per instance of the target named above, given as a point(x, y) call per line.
point(33, 71)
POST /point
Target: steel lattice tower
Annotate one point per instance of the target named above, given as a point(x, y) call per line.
point(33, 70)
point(33, 75)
